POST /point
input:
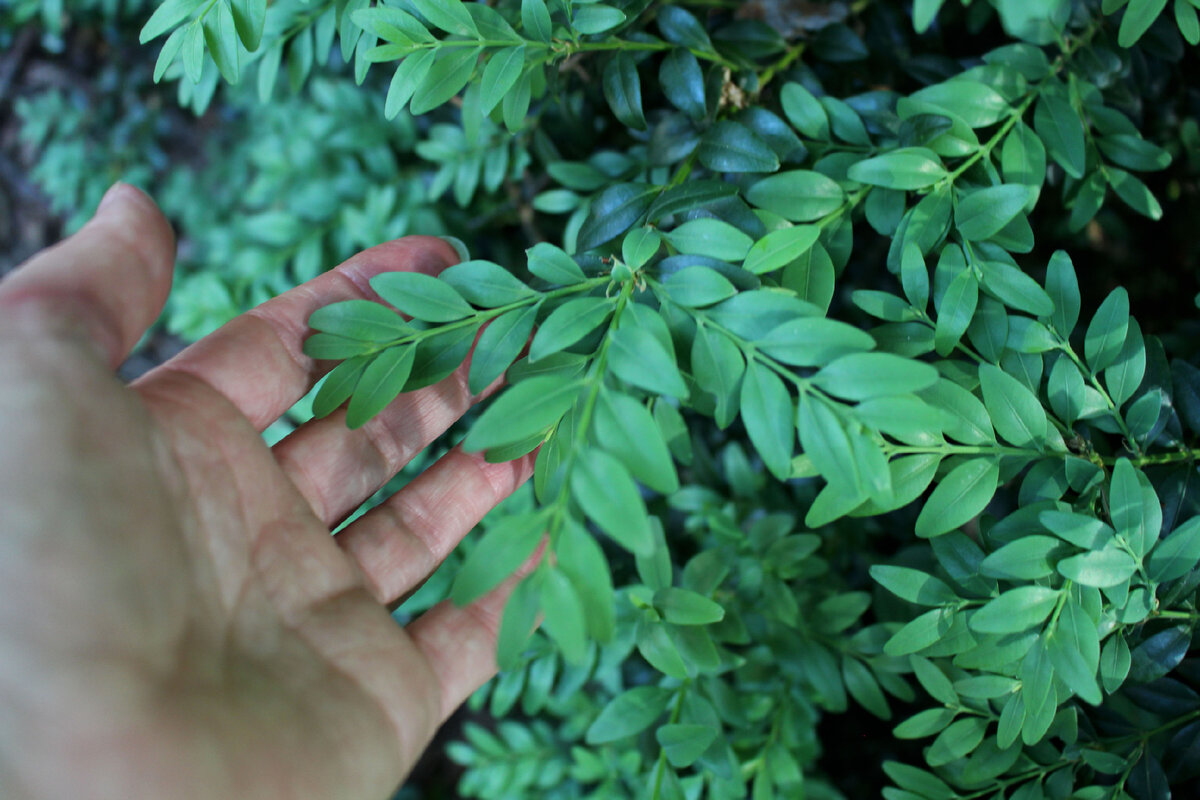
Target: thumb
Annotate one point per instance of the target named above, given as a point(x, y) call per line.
point(105, 285)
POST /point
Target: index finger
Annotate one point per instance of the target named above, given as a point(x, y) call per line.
point(257, 362)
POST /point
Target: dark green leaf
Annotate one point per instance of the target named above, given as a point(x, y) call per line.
point(614, 211)
point(732, 147)
point(1107, 331)
point(623, 90)
point(1060, 129)
point(683, 83)
point(984, 212)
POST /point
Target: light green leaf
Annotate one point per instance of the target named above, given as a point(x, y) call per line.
point(907, 168)
point(1107, 331)
point(982, 213)
point(637, 357)
point(628, 713)
point(1177, 554)
point(569, 323)
point(1016, 610)
point(501, 74)
point(521, 411)
point(797, 195)
point(913, 585)
point(381, 382)
point(499, 345)
point(421, 296)
point(626, 429)
point(710, 237)
point(505, 546)
point(780, 248)
point(608, 495)
point(861, 376)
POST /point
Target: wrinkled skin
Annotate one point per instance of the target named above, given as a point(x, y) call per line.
point(175, 618)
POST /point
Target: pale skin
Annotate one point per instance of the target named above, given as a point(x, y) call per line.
point(175, 618)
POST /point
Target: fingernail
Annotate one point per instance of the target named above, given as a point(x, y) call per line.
point(115, 195)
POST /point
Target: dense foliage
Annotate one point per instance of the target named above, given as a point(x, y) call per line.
point(825, 420)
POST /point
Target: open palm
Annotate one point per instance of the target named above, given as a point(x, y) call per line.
point(175, 618)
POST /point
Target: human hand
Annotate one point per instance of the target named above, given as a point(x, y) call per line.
point(175, 618)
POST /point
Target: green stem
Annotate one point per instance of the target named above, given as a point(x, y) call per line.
point(783, 63)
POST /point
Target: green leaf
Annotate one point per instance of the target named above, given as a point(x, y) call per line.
point(623, 90)
point(501, 74)
point(569, 323)
point(505, 546)
point(1059, 127)
point(535, 19)
point(518, 621)
point(249, 16)
point(563, 615)
point(360, 319)
point(780, 248)
point(338, 386)
point(697, 287)
point(521, 411)
point(1028, 558)
point(554, 266)
point(1177, 554)
point(1016, 412)
point(1016, 289)
point(767, 414)
point(956, 311)
point(922, 632)
point(960, 738)
point(711, 237)
point(170, 50)
point(685, 607)
point(166, 16)
point(220, 34)
point(680, 27)
point(1063, 287)
point(1080, 530)
point(925, 784)
point(864, 688)
point(924, 13)
point(814, 341)
point(684, 744)
point(974, 103)
point(1134, 193)
point(381, 382)
point(608, 495)
point(614, 211)
point(1016, 610)
point(913, 585)
point(797, 195)
point(328, 346)
point(1134, 152)
point(485, 284)
point(907, 168)
point(982, 213)
point(1139, 16)
point(1104, 568)
point(718, 365)
point(924, 723)
point(409, 75)
point(637, 357)
point(1023, 157)
point(499, 345)
point(732, 147)
point(1074, 649)
point(825, 440)
point(421, 296)
point(683, 83)
point(449, 15)
point(597, 18)
point(580, 557)
point(860, 376)
point(914, 276)
point(449, 73)
point(626, 429)
point(628, 713)
point(1107, 331)
point(805, 111)
point(960, 497)
point(639, 246)
point(689, 196)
